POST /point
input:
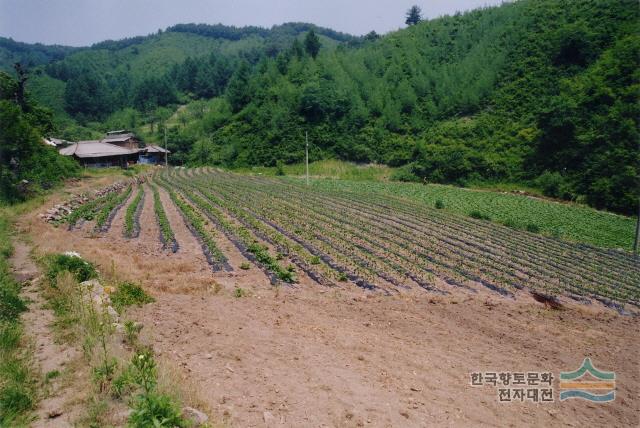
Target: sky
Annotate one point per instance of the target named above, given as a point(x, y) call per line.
point(83, 22)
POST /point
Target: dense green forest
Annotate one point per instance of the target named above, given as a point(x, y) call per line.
point(539, 92)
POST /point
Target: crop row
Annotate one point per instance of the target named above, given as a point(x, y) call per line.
point(167, 237)
point(242, 238)
point(196, 224)
point(132, 215)
point(109, 210)
point(404, 243)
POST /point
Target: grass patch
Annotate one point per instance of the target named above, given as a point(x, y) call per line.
point(18, 387)
point(129, 294)
point(329, 168)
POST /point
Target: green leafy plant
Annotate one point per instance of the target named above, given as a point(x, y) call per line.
point(81, 269)
point(129, 294)
point(132, 209)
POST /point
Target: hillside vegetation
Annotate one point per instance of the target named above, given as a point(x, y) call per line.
point(542, 93)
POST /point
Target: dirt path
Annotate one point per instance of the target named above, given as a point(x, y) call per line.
point(60, 406)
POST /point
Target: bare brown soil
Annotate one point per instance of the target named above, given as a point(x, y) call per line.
point(318, 356)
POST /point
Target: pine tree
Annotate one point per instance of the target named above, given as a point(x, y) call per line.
point(312, 44)
point(414, 15)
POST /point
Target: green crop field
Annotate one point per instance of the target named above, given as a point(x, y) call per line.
point(562, 220)
point(386, 237)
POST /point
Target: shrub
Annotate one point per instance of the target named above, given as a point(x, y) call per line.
point(280, 168)
point(155, 410)
point(479, 215)
point(439, 204)
point(554, 185)
point(245, 266)
point(81, 269)
point(533, 228)
point(405, 174)
point(129, 294)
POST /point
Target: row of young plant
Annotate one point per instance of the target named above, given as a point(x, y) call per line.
point(308, 260)
point(167, 236)
point(388, 257)
point(90, 210)
point(559, 279)
point(586, 277)
point(108, 211)
point(322, 254)
point(197, 224)
point(480, 251)
point(132, 215)
point(574, 275)
point(242, 238)
point(118, 381)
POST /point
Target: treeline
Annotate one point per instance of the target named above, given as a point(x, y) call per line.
point(536, 92)
point(543, 93)
point(30, 55)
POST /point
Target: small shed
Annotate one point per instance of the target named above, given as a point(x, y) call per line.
point(154, 155)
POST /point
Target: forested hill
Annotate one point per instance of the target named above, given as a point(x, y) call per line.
point(542, 92)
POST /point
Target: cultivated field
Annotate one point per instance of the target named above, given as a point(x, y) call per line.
point(322, 305)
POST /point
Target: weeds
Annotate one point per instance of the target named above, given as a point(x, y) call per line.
point(79, 268)
point(94, 326)
point(245, 266)
point(17, 381)
point(129, 294)
point(239, 292)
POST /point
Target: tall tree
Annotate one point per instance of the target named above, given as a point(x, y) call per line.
point(312, 44)
point(414, 15)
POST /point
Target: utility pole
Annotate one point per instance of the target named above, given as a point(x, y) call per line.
point(166, 162)
point(306, 135)
point(636, 242)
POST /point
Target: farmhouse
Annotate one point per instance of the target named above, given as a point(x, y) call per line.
point(118, 148)
point(99, 154)
point(122, 138)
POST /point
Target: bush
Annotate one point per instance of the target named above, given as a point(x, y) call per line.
point(129, 294)
point(554, 185)
point(405, 174)
point(280, 168)
point(439, 204)
point(533, 228)
point(81, 269)
point(479, 215)
point(155, 410)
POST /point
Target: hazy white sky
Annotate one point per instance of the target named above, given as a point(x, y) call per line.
point(82, 22)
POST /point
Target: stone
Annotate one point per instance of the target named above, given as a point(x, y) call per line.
point(195, 416)
point(268, 418)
